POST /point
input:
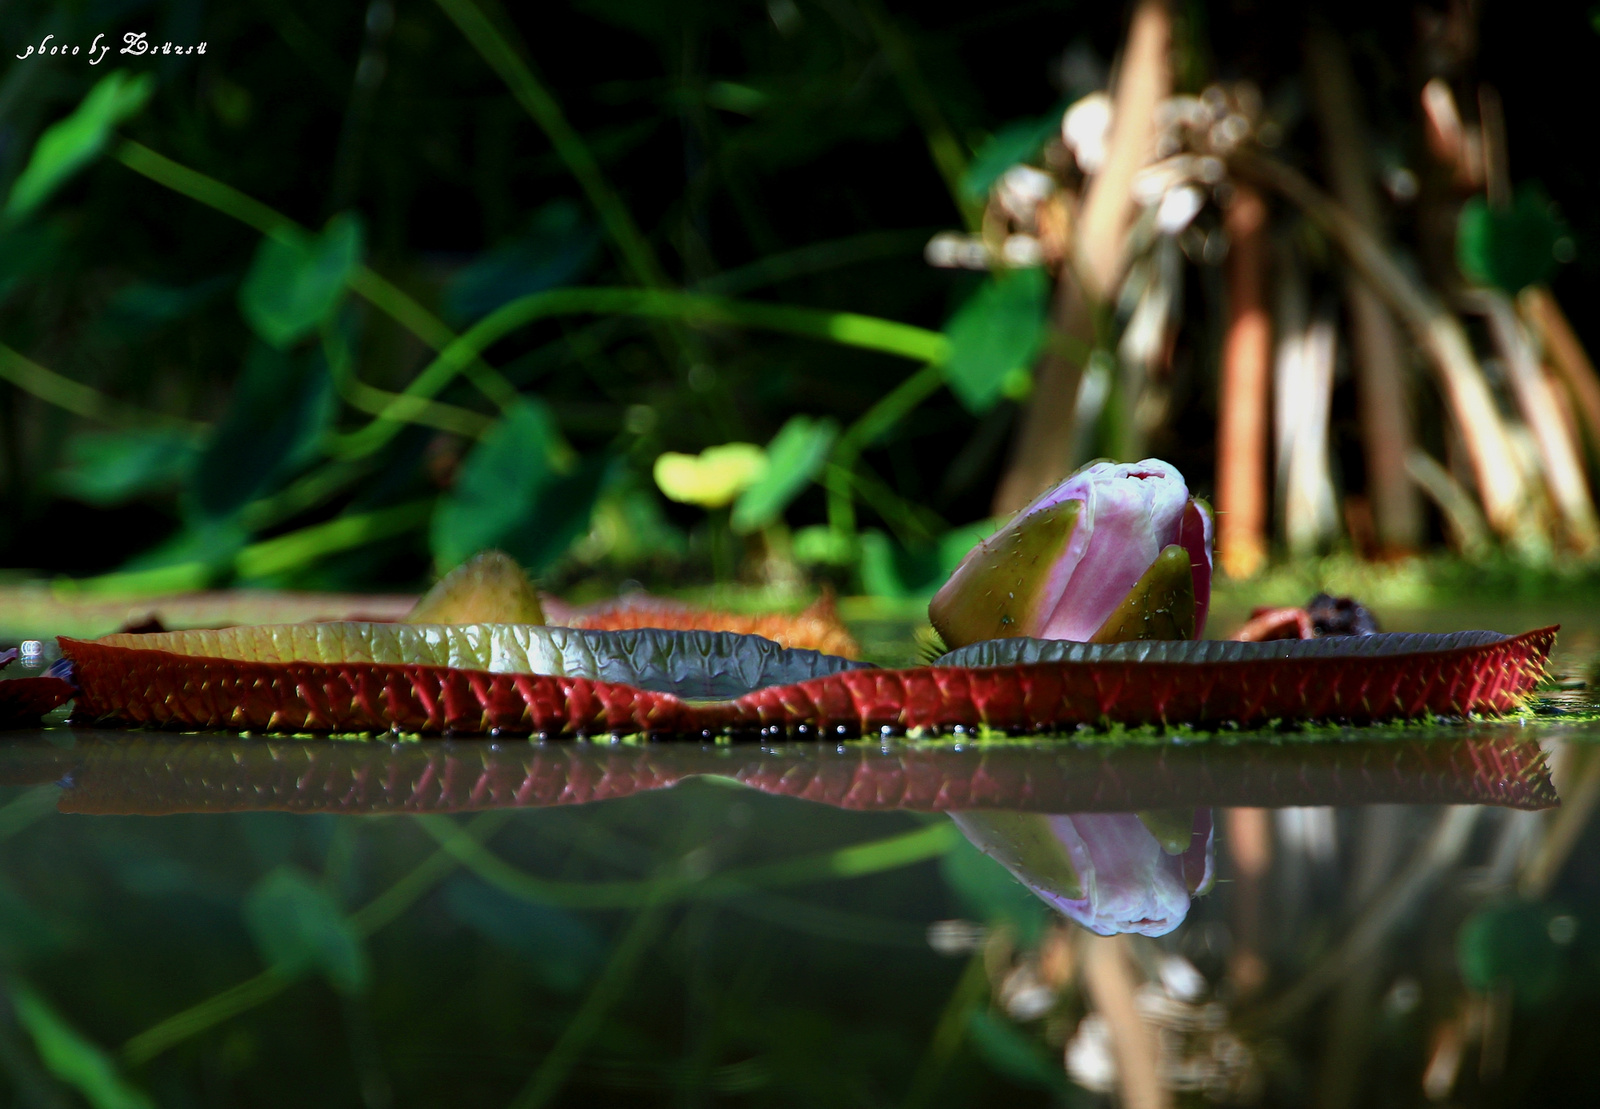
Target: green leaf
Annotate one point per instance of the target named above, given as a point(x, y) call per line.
point(795, 457)
point(71, 1057)
point(518, 491)
point(297, 280)
point(1515, 247)
point(714, 477)
point(890, 570)
point(558, 246)
point(143, 307)
point(1013, 143)
point(298, 927)
point(1517, 943)
point(821, 545)
point(994, 334)
point(110, 467)
point(562, 949)
point(1012, 1053)
point(282, 407)
point(69, 145)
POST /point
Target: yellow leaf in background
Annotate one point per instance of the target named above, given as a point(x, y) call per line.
point(712, 478)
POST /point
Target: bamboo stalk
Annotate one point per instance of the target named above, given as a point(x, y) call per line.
point(1109, 981)
point(1041, 456)
point(1566, 355)
point(1502, 487)
point(1302, 401)
point(1242, 419)
point(1559, 455)
point(1466, 525)
point(1380, 362)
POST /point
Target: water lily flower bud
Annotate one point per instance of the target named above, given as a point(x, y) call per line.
point(1111, 872)
point(1116, 551)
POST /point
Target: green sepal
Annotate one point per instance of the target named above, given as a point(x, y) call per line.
point(1161, 604)
point(998, 591)
point(1173, 828)
point(1024, 843)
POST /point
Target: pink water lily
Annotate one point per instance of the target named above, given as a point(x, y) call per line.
point(1108, 871)
point(1063, 566)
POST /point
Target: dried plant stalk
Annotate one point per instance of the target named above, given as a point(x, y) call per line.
point(1042, 456)
point(1502, 486)
point(1566, 355)
point(1380, 362)
point(1559, 455)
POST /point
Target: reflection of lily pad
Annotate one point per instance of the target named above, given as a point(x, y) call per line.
point(1515, 247)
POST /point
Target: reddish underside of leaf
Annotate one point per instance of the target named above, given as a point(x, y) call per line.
point(137, 686)
point(24, 700)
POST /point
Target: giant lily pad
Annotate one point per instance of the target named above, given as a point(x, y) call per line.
point(522, 679)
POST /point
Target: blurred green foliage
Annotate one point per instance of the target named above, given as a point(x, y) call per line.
point(262, 248)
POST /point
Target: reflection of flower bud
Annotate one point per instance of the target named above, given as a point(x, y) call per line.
point(1117, 551)
point(1107, 871)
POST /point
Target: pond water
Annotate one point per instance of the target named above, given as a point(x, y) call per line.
point(1376, 916)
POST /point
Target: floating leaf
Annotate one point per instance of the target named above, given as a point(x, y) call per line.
point(712, 478)
point(297, 280)
point(558, 247)
point(110, 467)
point(298, 927)
point(995, 335)
point(69, 145)
point(282, 405)
point(694, 663)
point(795, 457)
point(1514, 247)
point(517, 491)
point(72, 1057)
point(136, 680)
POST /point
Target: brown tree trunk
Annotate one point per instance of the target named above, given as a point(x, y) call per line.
point(1243, 398)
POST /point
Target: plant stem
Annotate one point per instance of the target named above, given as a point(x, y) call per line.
point(377, 913)
point(270, 556)
point(372, 400)
point(635, 252)
point(888, 411)
point(891, 853)
point(77, 398)
point(585, 1023)
point(844, 328)
point(1501, 482)
point(365, 282)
